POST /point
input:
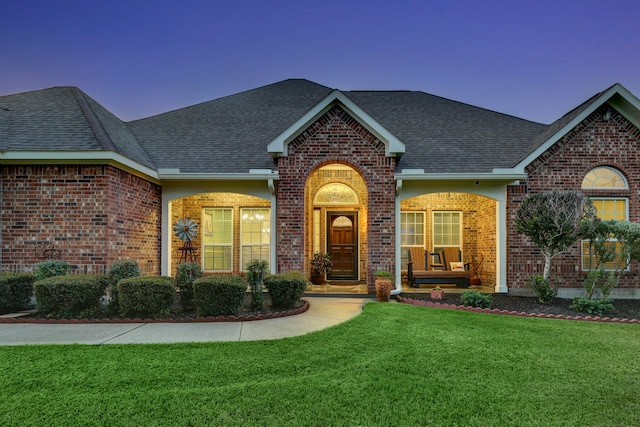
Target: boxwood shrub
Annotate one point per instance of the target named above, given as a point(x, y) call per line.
point(121, 269)
point(219, 295)
point(285, 289)
point(146, 296)
point(70, 295)
point(16, 290)
point(51, 268)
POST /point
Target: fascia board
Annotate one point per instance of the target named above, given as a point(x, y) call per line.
point(507, 176)
point(39, 157)
point(278, 147)
point(218, 176)
point(615, 89)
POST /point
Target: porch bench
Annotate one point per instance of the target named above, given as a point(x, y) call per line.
point(420, 271)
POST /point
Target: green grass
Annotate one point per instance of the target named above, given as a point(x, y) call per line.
point(393, 365)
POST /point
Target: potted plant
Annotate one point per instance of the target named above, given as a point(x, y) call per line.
point(384, 281)
point(320, 265)
point(436, 293)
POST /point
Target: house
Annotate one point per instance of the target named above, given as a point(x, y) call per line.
point(283, 171)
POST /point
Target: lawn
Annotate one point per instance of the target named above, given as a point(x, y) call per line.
point(394, 364)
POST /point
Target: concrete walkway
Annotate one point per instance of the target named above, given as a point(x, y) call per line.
point(323, 312)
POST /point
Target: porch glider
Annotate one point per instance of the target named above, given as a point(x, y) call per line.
point(421, 270)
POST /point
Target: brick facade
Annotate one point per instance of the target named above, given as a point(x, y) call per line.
point(92, 214)
point(192, 207)
point(336, 137)
point(594, 142)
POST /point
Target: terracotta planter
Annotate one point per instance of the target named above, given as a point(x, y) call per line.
point(383, 289)
point(318, 279)
point(474, 281)
point(436, 295)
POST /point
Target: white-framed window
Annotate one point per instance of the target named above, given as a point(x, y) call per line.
point(217, 239)
point(411, 233)
point(255, 235)
point(447, 230)
point(607, 208)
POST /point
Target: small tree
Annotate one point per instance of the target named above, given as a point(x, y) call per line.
point(612, 247)
point(256, 272)
point(554, 220)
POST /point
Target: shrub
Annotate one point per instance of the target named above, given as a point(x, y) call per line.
point(15, 291)
point(476, 299)
point(219, 295)
point(146, 296)
point(122, 269)
point(592, 306)
point(188, 272)
point(70, 295)
point(256, 272)
point(543, 288)
point(51, 268)
point(286, 289)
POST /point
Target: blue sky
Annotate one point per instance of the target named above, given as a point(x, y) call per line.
point(532, 59)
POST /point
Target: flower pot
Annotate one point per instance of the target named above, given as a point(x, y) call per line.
point(317, 279)
point(436, 295)
point(383, 289)
point(474, 281)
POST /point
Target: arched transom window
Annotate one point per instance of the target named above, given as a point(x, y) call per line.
point(604, 177)
point(336, 194)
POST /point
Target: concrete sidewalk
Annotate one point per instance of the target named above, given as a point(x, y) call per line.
point(323, 312)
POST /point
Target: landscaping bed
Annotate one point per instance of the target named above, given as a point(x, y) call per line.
point(175, 315)
point(624, 308)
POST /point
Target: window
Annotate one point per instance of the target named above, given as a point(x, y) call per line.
point(218, 239)
point(336, 194)
point(447, 230)
point(411, 233)
point(607, 208)
point(255, 231)
point(604, 177)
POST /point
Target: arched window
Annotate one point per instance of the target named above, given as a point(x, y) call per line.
point(336, 194)
point(611, 207)
point(604, 177)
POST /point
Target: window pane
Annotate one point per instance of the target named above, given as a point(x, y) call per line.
point(446, 229)
point(411, 233)
point(256, 235)
point(218, 239)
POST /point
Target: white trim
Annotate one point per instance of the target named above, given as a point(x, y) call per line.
point(508, 177)
point(393, 146)
point(217, 176)
point(76, 156)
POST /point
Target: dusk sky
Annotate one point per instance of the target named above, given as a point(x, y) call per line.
point(532, 59)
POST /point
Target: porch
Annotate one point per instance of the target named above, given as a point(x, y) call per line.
point(360, 289)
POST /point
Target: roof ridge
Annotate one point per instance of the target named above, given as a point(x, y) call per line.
point(94, 122)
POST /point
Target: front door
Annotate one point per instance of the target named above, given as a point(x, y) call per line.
point(342, 238)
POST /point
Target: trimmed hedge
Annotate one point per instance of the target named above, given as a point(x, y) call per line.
point(16, 290)
point(219, 295)
point(146, 296)
point(51, 268)
point(70, 295)
point(286, 289)
point(122, 269)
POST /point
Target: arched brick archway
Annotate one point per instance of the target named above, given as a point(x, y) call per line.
point(336, 137)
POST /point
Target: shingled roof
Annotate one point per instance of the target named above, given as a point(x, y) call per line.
point(228, 134)
point(64, 119)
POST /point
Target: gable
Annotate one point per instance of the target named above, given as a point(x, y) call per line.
point(615, 99)
point(393, 146)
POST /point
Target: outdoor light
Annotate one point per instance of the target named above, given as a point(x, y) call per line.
point(607, 116)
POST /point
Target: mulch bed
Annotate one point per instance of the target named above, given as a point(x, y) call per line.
point(626, 310)
point(176, 316)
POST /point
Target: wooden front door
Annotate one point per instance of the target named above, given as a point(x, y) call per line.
point(342, 239)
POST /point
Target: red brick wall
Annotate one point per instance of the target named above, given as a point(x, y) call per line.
point(93, 214)
point(336, 137)
point(592, 143)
